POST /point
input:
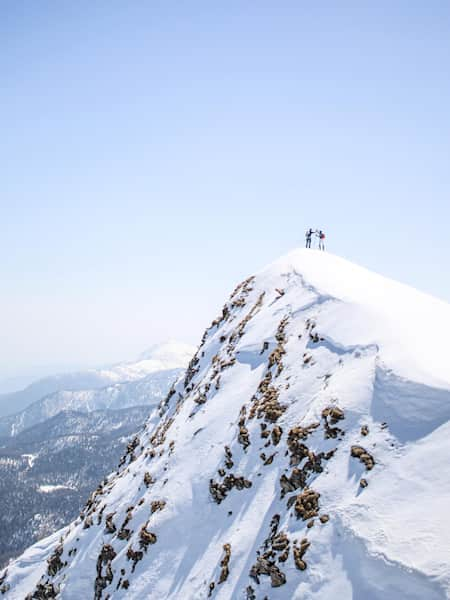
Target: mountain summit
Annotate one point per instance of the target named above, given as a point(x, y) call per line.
point(303, 454)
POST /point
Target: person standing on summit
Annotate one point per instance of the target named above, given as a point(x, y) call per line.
point(308, 236)
point(320, 234)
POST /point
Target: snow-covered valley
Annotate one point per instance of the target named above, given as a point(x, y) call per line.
point(303, 455)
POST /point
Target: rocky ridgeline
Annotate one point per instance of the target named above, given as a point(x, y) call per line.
point(260, 432)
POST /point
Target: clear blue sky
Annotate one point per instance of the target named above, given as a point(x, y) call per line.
point(154, 153)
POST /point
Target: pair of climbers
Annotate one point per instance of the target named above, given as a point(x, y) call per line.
point(319, 234)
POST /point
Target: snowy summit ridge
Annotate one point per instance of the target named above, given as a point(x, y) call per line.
point(304, 454)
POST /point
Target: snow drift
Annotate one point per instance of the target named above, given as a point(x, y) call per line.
point(304, 454)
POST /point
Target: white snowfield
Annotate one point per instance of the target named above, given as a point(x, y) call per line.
point(303, 456)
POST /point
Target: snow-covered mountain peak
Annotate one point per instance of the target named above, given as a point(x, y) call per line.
point(401, 320)
point(302, 455)
point(174, 352)
point(161, 357)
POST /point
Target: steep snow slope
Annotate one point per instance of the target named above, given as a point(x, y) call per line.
point(303, 455)
point(161, 357)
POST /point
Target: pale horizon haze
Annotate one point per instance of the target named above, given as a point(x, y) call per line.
point(155, 153)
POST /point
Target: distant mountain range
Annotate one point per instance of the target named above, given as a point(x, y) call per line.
point(161, 357)
point(142, 392)
point(58, 448)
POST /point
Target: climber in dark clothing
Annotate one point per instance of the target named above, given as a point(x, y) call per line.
point(308, 236)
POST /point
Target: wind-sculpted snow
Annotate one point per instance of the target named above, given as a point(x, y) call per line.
point(271, 469)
